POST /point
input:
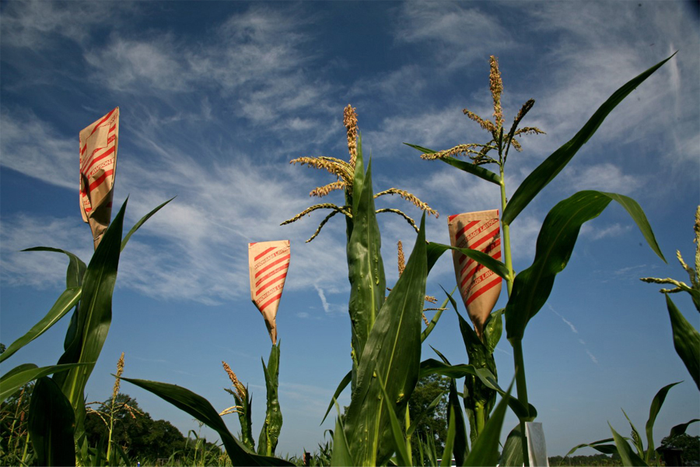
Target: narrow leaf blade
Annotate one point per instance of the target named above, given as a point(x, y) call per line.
point(51, 424)
point(141, 221)
point(654, 409)
point(65, 302)
point(555, 244)
point(485, 449)
point(545, 172)
point(202, 410)
point(686, 340)
point(435, 250)
point(22, 374)
point(628, 456)
point(477, 170)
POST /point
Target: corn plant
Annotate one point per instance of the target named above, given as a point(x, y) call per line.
point(686, 338)
point(529, 289)
point(365, 264)
point(57, 408)
point(272, 425)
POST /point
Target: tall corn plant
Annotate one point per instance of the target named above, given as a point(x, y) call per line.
point(386, 332)
point(57, 409)
point(365, 264)
point(529, 289)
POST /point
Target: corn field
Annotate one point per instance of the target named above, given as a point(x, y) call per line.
point(388, 325)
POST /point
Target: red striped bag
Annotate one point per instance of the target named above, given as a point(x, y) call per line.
point(98, 164)
point(478, 285)
point(268, 263)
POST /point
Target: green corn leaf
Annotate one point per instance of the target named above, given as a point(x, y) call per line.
point(51, 424)
point(245, 418)
point(637, 214)
point(65, 302)
point(602, 445)
point(140, 223)
point(343, 384)
point(545, 172)
point(76, 267)
point(493, 329)
point(654, 409)
point(686, 340)
point(418, 420)
point(555, 243)
point(198, 407)
point(432, 366)
point(365, 266)
point(435, 250)
point(341, 456)
point(625, 450)
point(436, 317)
point(460, 449)
point(392, 350)
point(485, 449)
point(513, 448)
point(402, 453)
point(680, 429)
point(23, 374)
point(636, 438)
point(270, 432)
point(450, 440)
point(473, 169)
point(92, 318)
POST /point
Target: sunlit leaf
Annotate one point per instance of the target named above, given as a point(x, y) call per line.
point(435, 250)
point(392, 350)
point(93, 317)
point(686, 340)
point(199, 408)
point(140, 223)
point(545, 172)
point(365, 266)
point(555, 244)
point(65, 302)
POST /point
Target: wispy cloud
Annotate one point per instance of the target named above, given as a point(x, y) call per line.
point(569, 323)
point(574, 331)
point(447, 27)
point(32, 147)
point(322, 296)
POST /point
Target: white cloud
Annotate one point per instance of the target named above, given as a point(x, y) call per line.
point(603, 177)
point(32, 147)
point(451, 29)
point(128, 65)
point(322, 296)
point(35, 24)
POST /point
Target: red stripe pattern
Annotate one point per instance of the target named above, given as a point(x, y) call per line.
point(98, 160)
point(269, 262)
point(477, 231)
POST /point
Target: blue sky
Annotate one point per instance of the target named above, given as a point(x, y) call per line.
point(217, 97)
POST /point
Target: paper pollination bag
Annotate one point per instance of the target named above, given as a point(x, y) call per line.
point(98, 163)
point(268, 263)
point(478, 285)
